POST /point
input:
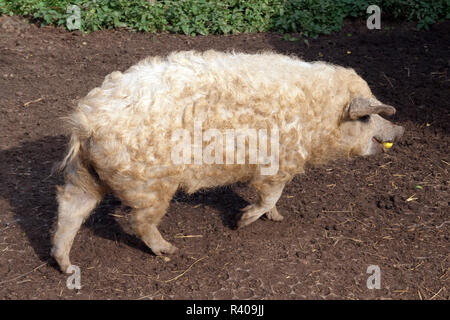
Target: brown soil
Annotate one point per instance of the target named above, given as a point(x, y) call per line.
point(391, 210)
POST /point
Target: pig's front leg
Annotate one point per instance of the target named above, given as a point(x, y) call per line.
point(268, 193)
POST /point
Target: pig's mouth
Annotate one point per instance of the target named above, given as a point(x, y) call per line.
point(379, 143)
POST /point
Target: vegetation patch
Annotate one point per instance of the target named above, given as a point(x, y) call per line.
point(193, 17)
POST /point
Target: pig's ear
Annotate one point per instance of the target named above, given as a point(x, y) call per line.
point(360, 107)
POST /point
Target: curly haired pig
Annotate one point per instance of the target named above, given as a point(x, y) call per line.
point(123, 134)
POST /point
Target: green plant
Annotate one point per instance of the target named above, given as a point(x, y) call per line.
point(425, 12)
point(192, 17)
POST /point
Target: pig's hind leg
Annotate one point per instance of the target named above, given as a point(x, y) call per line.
point(269, 193)
point(274, 215)
point(145, 219)
point(75, 205)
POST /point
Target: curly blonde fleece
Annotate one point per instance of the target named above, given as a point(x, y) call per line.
point(126, 125)
point(122, 131)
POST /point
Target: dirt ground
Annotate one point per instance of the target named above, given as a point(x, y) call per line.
point(391, 210)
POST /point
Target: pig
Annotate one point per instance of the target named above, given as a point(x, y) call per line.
point(172, 123)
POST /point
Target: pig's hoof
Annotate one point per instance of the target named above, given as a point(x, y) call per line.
point(250, 214)
point(62, 260)
point(274, 215)
point(163, 247)
point(246, 219)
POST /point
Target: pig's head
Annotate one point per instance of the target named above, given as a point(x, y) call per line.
point(363, 130)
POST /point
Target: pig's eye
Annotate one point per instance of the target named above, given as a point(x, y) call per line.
point(364, 119)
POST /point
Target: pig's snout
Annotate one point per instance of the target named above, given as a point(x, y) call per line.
point(384, 141)
point(394, 133)
point(399, 132)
